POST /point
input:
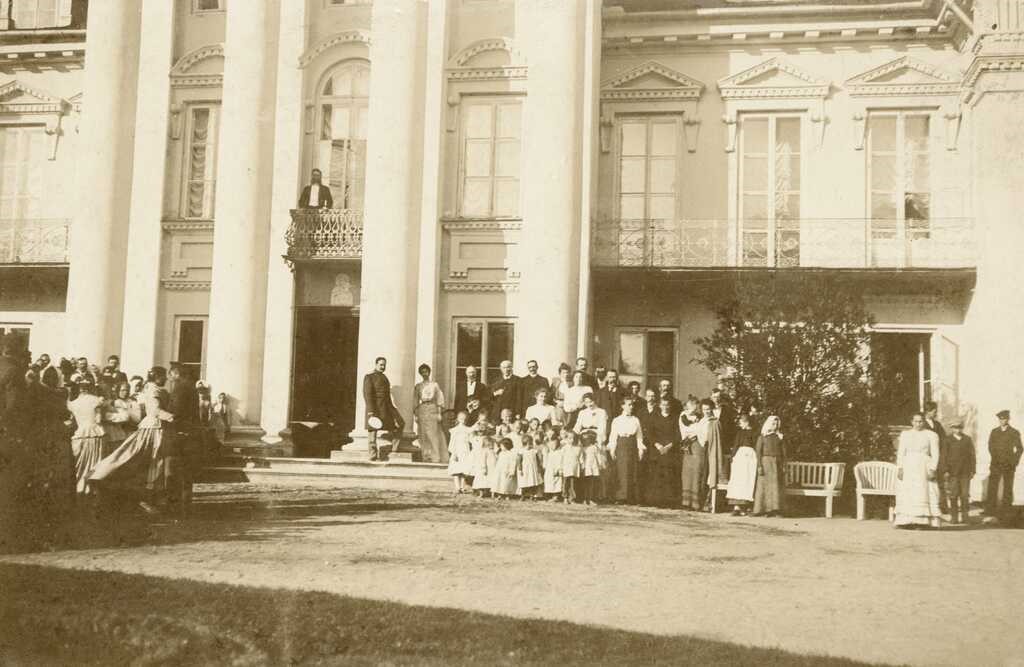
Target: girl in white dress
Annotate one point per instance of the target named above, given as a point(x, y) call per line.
point(553, 467)
point(503, 481)
point(484, 460)
point(460, 467)
point(572, 466)
point(917, 487)
point(594, 465)
point(87, 442)
point(529, 473)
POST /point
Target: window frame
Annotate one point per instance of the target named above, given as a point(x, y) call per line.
point(212, 150)
point(354, 104)
point(494, 100)
point(649, 119)
point(484, 345)
point(24, 176)
point(645, 331)
point(176, 341)
point(196, 9)
point(900, 230)
point(772, 228)
point(62, 14)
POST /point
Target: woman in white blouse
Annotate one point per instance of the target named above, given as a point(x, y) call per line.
point(626, 446)
point(574, 397)
point(429, 408)
point(541, 410)
point(592, 418)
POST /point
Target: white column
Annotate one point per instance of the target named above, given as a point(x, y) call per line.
point(245, 150)
point(387, 313)
point(590, 133)
point(278, 334)
point(550, 35)
point(142, 275)
point(430, 237)
point(103, 173)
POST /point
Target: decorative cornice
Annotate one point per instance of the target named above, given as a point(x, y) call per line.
point(987, 65)
point(44, 102)
point(866, 84)
point(477, 286)
point(186, 285)
point(738, 86)
point(345, 37)
point(482, 225)
point(486, 73)
point(684, 88)
point(180, 72)
point(462, 58)
point(187, 225)
point(460, 69)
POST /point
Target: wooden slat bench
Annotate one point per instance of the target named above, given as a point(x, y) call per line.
point(875, 478)
point(823, 480)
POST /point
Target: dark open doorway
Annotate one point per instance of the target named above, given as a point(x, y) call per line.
point(324, 370)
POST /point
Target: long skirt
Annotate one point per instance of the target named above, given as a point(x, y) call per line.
point(138, 464)
point(661, 481)
point(433, 446)
point(627, 466)
point(693, 476)
point(88, 452)
point(917, 497)
point(742, 476)
point(770, 486)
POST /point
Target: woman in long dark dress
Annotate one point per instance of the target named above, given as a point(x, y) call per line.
point(771, 469)
point(626, 446)
point(692, 458)
point(662, 480)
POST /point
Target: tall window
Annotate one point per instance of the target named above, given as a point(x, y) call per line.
point(36, 14)
point(22, 155)
point(484, 344)
point(201, 162)
point(648, 154)
point(900, 174)
point(489, 163)
point(769, 206)
point(647, 356)
point(341, 153)
point(190, 341)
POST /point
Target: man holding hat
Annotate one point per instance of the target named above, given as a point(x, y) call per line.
point(1004, 447)
point(956, 468)
point(381, 413)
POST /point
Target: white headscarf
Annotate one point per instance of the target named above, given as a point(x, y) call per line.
point(771, 419)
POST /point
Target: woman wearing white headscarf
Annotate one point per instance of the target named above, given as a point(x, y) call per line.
point(771, 469)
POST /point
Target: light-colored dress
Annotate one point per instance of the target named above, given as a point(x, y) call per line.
point(742, 476)
point(917, 497)
point(87, 442)
point(504, 478)
point(139, 463)
point(552, 470)
point(542, 413)
point(594, 419)
point(117, 422)
point(459, 450)
point(530, 469)
point(429, 408)
point(572, 461)
point(484, 462)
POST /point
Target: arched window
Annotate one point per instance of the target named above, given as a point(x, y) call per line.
point(341, 141)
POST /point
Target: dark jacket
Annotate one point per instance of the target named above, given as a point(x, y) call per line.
point(956, 456)
point(480, 393)
point(528, 387)
point(12, 383)
point(182, 403)
point(326, 200)
point(936, 428)
point(505, 393)
point(1005, 448)
point(377, 395)
point(611, 400)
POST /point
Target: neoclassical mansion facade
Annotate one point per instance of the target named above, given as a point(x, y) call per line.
point(528, 179)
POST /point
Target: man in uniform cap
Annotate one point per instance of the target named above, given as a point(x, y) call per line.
point(1004, 447)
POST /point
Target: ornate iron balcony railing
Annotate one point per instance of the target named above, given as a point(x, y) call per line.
point(325, 234)
point(842, 243)
point(34, 241)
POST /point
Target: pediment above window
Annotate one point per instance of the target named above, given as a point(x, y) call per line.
point(904, 76)
point(493, 58)
point(773, 79)
point(201, 67)
point(359, 37)
point(16, 97)
point(651, 81)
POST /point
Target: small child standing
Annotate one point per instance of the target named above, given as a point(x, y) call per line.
point(743, 471)
point(552, 461)
point(593, 467)
point(503, 483)
point(572, 465)
point(460, 465)
point(515, 434)
point(534, 431)
point(529, 469)
point(484, 461)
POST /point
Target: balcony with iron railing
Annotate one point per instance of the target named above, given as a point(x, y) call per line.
point(847, 243)
point(318, 234)
point(34, 242)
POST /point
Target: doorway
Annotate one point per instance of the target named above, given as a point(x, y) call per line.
point(324, 366)
point(901, 364)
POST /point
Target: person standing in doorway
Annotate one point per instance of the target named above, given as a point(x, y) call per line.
point(381, 413)
point(316, 194)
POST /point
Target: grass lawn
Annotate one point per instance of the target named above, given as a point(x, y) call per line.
point(57, 616)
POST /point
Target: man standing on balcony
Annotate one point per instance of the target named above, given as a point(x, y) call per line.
point(316, 194)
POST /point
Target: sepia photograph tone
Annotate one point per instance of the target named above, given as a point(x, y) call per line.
point(511, 332)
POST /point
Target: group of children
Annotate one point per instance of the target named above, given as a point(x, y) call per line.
point(526, 459)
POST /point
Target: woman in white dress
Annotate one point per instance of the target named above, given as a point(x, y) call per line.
point(87, 442)
point(917, 488)
point(429, 412)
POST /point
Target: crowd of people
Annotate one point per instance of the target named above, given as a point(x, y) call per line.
point(73, 433)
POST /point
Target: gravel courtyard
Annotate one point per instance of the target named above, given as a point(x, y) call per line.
point(859, 590)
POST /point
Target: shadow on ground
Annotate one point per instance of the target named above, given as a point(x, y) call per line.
point(56, 616)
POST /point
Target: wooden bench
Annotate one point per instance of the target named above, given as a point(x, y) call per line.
point(875, 478)
point(822, 480)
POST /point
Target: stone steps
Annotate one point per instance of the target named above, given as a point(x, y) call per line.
point(347, 471)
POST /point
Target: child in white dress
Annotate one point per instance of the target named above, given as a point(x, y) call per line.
point(484, 460)
point(503, 481)
point(572, 465)
point(529, 470)
point(594, 465)
point(552, 461)
point(460, 466)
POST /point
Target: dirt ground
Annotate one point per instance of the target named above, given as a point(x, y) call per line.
point(839, 587)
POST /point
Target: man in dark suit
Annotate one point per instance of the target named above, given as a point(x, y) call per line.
point(726, 414)
point(182, 457)
point(609, 398)
point(471, 388)
point(581, 365)
point(112, 376)
point(380, 405)
point(665, 391)
point(48, 375)
point(316, 194)
point(505, 393)
point(931, 423)
point(530, 384)
point(12, 380)
point(1004, 448)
